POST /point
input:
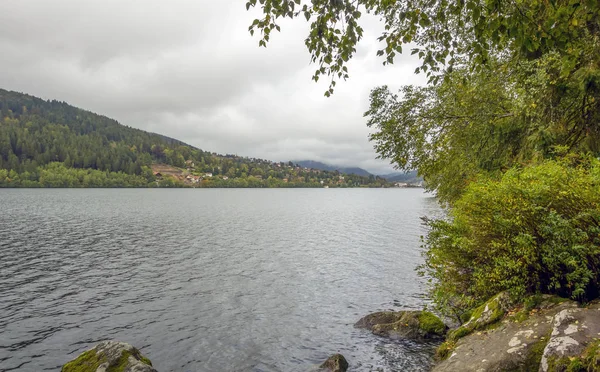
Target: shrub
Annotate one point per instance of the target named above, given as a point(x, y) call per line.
point(536, 229)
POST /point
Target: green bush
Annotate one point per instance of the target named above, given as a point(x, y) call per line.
point(536, 229)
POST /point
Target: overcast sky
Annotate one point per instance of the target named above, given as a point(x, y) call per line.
point(190, 70)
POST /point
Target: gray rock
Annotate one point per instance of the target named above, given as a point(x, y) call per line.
point(110, 355)
point(335, 363)
point(573, 329)
point(415, 325)
point(509, 345)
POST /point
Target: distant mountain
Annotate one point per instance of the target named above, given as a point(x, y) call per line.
point(408, 177)
point(322, 166)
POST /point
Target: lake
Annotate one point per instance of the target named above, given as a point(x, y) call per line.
point(210, 279)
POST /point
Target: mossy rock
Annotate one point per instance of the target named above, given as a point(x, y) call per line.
point(588, 361)
point(87, 361)
point(490, 312)
point(483, 317)
point(431, 324)
point(415, 325)
point(458, 333)
point(335, 363)
point(574, 343)
point(110, 356)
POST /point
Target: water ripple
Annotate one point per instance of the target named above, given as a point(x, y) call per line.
point(205, 280)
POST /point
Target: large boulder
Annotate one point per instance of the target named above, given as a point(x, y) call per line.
point(335, 363)
point(555, 335)
point(574, 342)
point(110, 356)
point(415, 325)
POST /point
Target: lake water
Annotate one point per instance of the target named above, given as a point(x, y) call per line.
point(210, 280)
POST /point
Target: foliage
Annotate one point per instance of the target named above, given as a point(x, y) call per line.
point(484, 122)
point(58, 175)
point(443, 34)
point(534, 230)
point(450, 132)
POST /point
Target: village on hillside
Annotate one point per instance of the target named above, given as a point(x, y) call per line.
point(260, 173)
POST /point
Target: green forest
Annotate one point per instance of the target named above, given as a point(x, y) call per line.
point(52, 144)
point(506, 132)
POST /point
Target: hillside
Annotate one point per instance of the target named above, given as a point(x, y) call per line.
point(52, 144)
point(322, 166)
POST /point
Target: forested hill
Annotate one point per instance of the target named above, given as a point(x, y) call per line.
point(52, 144)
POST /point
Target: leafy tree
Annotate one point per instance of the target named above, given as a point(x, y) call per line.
point(443, 32)
point(518, 78)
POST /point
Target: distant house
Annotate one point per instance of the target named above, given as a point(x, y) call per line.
point(225, 178)
point(189, 163)
point(285, 180)
point(207, 174)
point(192, 179)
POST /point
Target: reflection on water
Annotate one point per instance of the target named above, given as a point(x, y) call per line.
point(209, 280)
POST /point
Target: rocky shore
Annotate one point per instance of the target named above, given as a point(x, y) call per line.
point(545, 334)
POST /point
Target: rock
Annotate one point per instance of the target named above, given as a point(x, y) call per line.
point(415, 325)
point(483, 316)
point(574, 340)
point(490, 312)
point(110, 356)
point(517, 341)
point(335, 363)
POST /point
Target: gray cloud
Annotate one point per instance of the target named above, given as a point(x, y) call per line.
point(190, 70)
